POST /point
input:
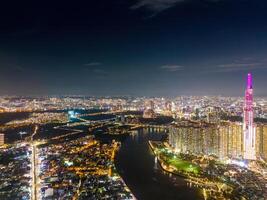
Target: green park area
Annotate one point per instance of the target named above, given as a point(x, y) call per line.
point(180, 163)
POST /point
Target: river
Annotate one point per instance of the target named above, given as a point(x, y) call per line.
point(136, 164)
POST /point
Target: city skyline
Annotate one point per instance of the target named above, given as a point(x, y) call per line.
point(94, 147)
point(133, 99)
point(135, 47)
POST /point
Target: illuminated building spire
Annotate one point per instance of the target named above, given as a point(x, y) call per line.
point(249, 81)
point(248, 124)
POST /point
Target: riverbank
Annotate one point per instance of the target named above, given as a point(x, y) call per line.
point(183, 166)
point(116, 147)
point(136, 164)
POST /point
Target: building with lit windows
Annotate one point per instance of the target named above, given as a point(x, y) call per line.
point(221, 140)
point(2, 138)
point(261, 142)
point(224, 140)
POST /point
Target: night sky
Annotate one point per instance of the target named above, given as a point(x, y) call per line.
point(133, 47)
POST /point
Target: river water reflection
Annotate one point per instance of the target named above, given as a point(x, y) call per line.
point(137, 165)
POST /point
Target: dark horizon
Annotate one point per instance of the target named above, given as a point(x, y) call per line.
point(134, 48)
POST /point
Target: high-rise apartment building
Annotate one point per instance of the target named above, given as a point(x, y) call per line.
point(2, 138)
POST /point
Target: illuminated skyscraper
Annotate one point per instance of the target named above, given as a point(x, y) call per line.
point(249, 136)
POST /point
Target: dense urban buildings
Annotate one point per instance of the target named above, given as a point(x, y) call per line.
point(73, 147)
point(196, 133)
point(230, 141)
point(223, 139)
point(133, 100)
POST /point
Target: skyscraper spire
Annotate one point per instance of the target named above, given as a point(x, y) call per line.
point(248, 124)
point(249, 81)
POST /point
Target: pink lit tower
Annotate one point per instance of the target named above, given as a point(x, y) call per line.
point(248, 125)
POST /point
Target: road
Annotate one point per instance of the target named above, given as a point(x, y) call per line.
point(34, 166)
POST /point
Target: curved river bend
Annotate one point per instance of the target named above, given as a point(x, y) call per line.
point(136, 164)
